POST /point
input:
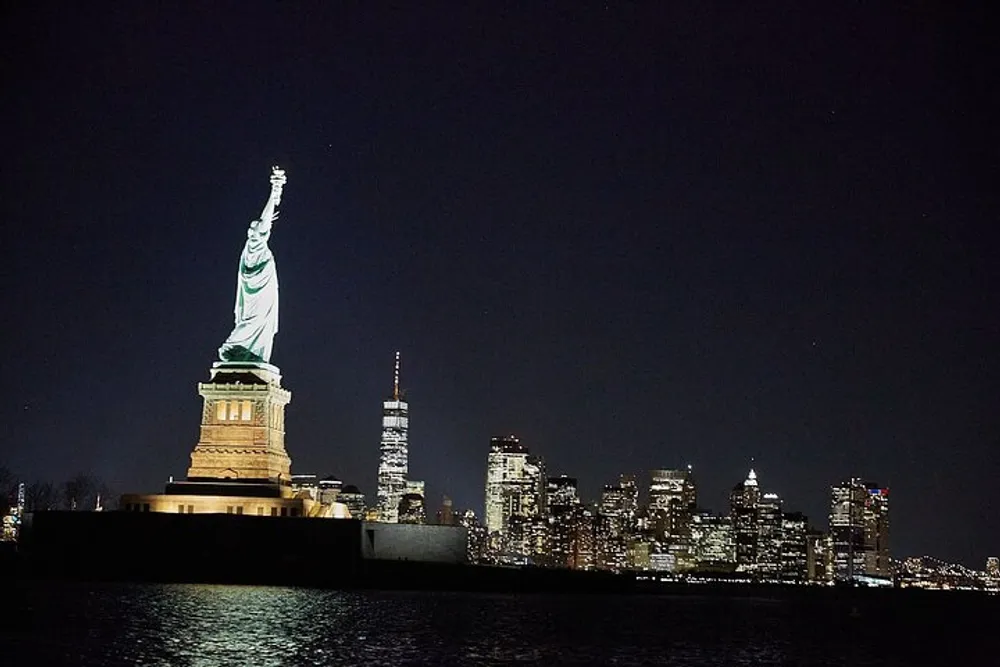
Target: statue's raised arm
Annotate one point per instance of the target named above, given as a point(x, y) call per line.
point(256, 311)
point(270, 212)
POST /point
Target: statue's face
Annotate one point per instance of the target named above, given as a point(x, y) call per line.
point(254, 234)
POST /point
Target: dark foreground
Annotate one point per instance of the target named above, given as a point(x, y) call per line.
point(48, 623)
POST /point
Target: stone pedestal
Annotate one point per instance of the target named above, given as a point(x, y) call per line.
point(242, 426)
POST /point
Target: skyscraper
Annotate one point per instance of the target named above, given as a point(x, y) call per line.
point(476, 545)
point(672, 501)
point(743, 502)
point(859, 529)
point(631, 493)
point(515, 498)
point(794, 547)
point(393, 466)
point(612, 528)
point(561, 491)
point(562, 504)
point(713, 544)
point(876, 516)
point(769, 536)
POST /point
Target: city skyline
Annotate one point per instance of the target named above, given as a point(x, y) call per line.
point(638, 237)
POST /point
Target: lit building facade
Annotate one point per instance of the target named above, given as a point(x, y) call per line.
point(476, 536)
point(859, 530)
point(10, 529)
point(794, 547)
point(743, 508)
point(672, 501)
point(847, 529)
point(770, 542)
point(352, 497)
point(876, 516)
point(306, 484)
point(393, 454)
point(329, 489)
point(411, 509)
point(562, 503)
point(613, 528)
point(713, 541)
point(630, 491)
point(561, 491)
point(515, 498)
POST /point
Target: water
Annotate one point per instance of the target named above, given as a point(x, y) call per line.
point(205, 626)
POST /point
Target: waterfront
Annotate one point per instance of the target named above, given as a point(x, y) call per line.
point(154, 624)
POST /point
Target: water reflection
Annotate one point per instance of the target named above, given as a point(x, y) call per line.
point(208, 626)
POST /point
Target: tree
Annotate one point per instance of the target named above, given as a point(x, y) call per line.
point(41, 496)
point(80, 492)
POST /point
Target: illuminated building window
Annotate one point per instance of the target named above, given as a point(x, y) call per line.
point(274, 511)
point(229, 509)
point(245, 410)
point(220, 411)
point(239, 510)
point(260, 511)
point(190, 509)
point(180, 509)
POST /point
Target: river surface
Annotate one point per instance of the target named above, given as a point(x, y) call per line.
point(205, 626)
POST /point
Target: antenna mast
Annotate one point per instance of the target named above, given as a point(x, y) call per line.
point(395, 379)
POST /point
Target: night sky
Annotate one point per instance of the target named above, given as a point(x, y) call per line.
point(636, 237)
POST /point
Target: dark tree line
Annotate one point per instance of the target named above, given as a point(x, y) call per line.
point(80, 493)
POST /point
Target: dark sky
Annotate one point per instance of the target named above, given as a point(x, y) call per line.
point(636, 237)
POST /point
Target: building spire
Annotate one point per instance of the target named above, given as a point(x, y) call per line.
point(395, 379)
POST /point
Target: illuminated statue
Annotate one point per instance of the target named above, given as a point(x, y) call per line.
point(257, 288)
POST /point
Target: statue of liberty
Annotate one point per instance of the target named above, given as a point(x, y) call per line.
point(257, 288)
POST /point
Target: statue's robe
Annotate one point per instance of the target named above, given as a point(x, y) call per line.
point(256, 305)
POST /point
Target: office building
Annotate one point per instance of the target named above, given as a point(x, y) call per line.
point(352, 497)
point(770, 541)
point(613, 528)
point(876, 517)
point(819, 557)
point(713, 541)
point(743, 508)
point(393, 455)
point(630, 491)
point(476, 536)
point(794, 547)
point(411, 509)
point(561, 491)
point(859, 530)
point(672, 501)
point(515, 499)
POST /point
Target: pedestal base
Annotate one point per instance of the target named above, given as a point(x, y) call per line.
point(242, 426)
